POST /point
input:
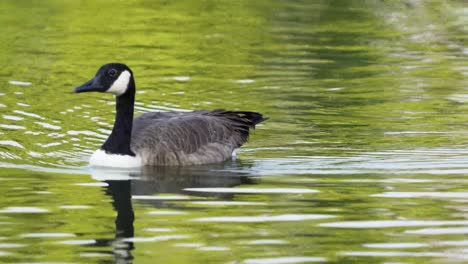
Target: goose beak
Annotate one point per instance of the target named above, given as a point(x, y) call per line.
point(89, 86)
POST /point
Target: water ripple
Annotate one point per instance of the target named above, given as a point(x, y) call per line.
point(47, 125)
point(22, 210)
point(392, 223)
point(28, 114)
point(395, 245)
point(19, 83)
point(11, 245)
point(284, 260)
point(264, 218)
point(14, 118)
point(160, 197)
point(13, 127)
point(47, 235)
point(77, 242)
point(155, 238)
point(397, 254)
point(267, 242)
point(251, 190)
point(422, 194)
point(166, 213)
point(11, 143)
point(439, 231)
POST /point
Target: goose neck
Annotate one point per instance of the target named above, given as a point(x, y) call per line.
point(118, 141)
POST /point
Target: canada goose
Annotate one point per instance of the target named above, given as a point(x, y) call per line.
point(164, 138)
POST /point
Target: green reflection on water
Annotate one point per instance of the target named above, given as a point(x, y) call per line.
point(360, 95)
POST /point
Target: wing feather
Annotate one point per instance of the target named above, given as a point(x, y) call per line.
point(191, 138)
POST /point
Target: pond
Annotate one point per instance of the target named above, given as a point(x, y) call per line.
point(363, 159)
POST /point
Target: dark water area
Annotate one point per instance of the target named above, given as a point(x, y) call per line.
point(363, 159)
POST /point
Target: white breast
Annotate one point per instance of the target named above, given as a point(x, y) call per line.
point(101, 159)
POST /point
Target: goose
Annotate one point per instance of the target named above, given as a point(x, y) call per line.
point(164, 138)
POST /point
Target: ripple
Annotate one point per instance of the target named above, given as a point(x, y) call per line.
point(164, 108)
point(161, 197)
point(454, 243)
point(78, 242)
point(223, 203)
point(155, 238)
point(460, 98)
point(393, 254)
point(11, 143)
point(28, 114)
point(47, 235)
point(14, 118)
point(264, 218)
point(14, 127)
point(74, 207)
point(166, 213)
point(244, 81)
point(420, 161)
point(213, 248)
point(391, 223)
point(11, 245)
point(48, 145)
point(251, 190)
point(94, 255)
point(86, 133)
point(33, 133)
point(267, 242)
point(93, 184)
point(284, 260)
point(56, 135)
point(181, 78)
point(19, 83)
point(394, 180)
point(395, 245)
point(8, 155)
point(158, 229)
point(47, 125)
point(189, 245)
point(22, 210)
point(422, 194)
point(42, 192)
point(418, 132)
point(439, 231)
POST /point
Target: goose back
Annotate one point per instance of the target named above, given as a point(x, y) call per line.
point(198, 137)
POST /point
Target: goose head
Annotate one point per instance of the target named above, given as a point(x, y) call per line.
point(114, 78)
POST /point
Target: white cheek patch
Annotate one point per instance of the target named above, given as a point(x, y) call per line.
point(120, 85)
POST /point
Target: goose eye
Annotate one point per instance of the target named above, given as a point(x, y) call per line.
point(112, 72)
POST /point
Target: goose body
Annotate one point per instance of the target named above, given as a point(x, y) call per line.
point(164, 138)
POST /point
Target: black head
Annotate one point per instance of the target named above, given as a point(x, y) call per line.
point(114, 78)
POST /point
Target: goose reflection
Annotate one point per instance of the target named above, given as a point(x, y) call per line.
point(122, 185)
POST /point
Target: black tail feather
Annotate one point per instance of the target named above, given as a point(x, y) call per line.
point(254, 117)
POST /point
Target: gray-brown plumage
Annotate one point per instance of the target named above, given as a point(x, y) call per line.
point(192, 138)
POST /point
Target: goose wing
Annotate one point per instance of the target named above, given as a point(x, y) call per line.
point(197, 137)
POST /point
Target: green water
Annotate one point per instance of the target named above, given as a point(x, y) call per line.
point(363, 159)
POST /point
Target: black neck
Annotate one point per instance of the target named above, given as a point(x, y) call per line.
point(118, 141)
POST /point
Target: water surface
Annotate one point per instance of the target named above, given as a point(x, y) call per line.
point(363, 159)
